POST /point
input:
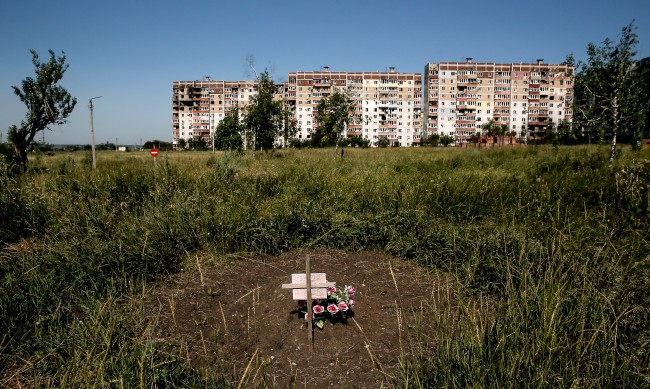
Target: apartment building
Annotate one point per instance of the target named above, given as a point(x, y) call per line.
point(388, 103)
point(199, 106)
point(460, 97)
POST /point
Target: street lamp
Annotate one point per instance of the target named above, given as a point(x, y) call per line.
point(92, 131)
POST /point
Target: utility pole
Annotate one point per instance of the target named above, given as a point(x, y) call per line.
point(92, 131)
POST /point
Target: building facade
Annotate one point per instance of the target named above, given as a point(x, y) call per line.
point(387, 103)
point(458, 98)
point(199, 106)
point(529, 99)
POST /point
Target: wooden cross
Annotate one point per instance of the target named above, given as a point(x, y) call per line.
point(305, 286)
point(318, 285)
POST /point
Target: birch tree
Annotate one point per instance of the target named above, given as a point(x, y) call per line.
point(333, 115)
point(265, 117)
point(609, 101)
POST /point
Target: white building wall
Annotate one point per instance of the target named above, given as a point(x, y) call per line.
point(370, 118)
point(446, 104)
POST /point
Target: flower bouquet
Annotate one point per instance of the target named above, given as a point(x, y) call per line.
point(338, 305)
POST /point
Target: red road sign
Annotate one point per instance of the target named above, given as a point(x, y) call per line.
point(154, 152)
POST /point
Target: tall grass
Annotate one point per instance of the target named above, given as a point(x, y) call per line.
point(554, 237)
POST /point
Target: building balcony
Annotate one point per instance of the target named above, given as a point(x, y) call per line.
point(538, 120)
point(466, 82)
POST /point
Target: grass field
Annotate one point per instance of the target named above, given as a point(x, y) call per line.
point(556, 239)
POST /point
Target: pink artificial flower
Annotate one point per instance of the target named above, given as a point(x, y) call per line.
point(318, 309)
point(351, 303)
point(307, 316)
point(351, 290)
point(332, 308)
point(331, 289)
point(343, 306)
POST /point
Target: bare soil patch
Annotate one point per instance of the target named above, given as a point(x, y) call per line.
point(232, 314)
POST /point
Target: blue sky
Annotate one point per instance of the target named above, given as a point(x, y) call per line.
point(130, 52)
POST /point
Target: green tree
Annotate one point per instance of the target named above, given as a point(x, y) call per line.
point(265, 117)
point(566, 134)
point(150, 144)
point(475, 137)
point(358, 141)
point(643, 70)
point(610, 101)
point(47, 103)
point(446, 140)
point(489, 129)
point(227, 135)
point(198, 143)
point(383, 142)
point(551, 136)
point(333, 115)
point(432, 140)
point(180, 144)
point(106, 146)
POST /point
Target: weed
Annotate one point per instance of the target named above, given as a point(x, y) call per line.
point(555, 239)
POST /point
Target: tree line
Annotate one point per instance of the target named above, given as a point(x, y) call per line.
point(611, 104)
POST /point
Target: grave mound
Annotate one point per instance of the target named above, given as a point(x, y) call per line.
point(233, 314)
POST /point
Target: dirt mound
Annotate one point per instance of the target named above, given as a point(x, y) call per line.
point(233, 314)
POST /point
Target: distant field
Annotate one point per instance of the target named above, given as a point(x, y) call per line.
point(555, 240)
